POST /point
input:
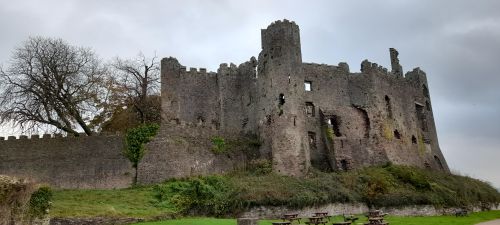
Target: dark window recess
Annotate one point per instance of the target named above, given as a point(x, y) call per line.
point(366, 121)
point(428, 105)
point(310, 109)
point(421, 117)
point(397, 135)
point(312, 139)
point(425, 91)
point(388, 106)
point(335, 122)
point(438, 161)
point(413, 139)
point(281, 99)
point(344, 165)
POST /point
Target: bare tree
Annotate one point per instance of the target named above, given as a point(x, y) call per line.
point(51, 82)
point(138, 85)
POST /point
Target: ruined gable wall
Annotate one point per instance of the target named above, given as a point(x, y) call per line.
point(65, 162)
point(396, 125)
point(237, 97)
point(343, 97)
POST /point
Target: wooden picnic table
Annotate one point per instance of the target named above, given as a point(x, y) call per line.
point(291, 217)
point(322, 214)
point(376, 221)
point(316, 220)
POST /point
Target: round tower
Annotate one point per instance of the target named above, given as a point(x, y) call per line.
point(281, 108)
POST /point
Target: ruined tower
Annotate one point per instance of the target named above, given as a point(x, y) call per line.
point(280, 107)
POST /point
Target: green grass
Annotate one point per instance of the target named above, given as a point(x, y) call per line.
point(131, 202)
point(228, 195)
point(394, 220)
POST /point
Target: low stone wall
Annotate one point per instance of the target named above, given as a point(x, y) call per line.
point(93, 221)
point(339, 209)
point(67, 162)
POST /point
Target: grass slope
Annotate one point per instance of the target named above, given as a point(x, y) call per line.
point(233, 193)
point(131, 202)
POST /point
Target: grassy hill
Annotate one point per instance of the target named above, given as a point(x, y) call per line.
point(230, 194)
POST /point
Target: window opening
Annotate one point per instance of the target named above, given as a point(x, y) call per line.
point(308, 85)
point(310, 109)
point(312, 139)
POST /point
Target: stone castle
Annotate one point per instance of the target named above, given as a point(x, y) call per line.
point(304, 115)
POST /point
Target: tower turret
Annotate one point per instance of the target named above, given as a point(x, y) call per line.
point(281, 88)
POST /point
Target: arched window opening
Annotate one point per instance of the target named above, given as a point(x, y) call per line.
point(312, 139)
point(335, 122)
point(413, 139)
point(388, 106)
point(344, 165)
point(397, 135)
point(310, 109)
point(281, 99)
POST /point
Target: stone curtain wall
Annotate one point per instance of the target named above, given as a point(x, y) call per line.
point(186, 150)
point(67, 162)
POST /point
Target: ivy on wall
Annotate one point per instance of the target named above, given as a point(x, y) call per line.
point(134, 143)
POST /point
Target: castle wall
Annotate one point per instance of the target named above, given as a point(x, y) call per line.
point(186, 150)
point(198, 107)
point(65, 162)
point(189, 96)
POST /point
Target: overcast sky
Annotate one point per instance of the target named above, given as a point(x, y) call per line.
point(457, 43)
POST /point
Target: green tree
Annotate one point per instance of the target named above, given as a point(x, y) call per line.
point(135, 140)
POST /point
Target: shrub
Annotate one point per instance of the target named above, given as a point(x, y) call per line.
point(134, 143)
point(208, 195)
point(218, 145)
point(260, 167)
point(40, 202)
point(387, 186)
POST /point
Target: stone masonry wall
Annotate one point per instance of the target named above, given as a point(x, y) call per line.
point(186, 150)
point(67, 162)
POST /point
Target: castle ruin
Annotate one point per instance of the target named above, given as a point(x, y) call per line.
point(305, 114)
point(276, 108)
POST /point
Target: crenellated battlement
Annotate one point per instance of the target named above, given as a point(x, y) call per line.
point(281, 23)
point(194, 71)
point(36, 137)
point(369, 67)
